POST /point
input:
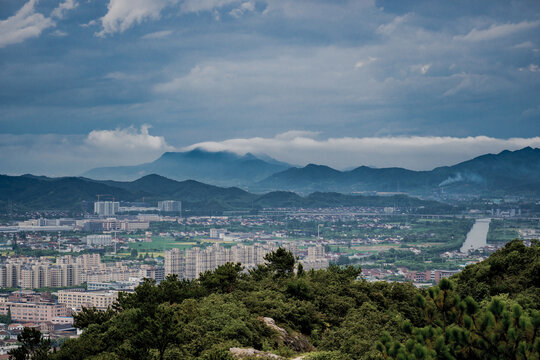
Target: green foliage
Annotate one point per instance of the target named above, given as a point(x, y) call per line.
point(32, 346)
point(6, 319)
point(197, 198)
point(326, 355)
point(342, 316)
point(513, 270)
point(360, 331)
point(223, 279)
point(90, 316)
point(458, 328)
point(280, 262)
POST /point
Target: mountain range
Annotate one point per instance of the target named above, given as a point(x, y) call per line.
point(28, 192)
point(218, 168)
point(509, 172)
point(506, 173)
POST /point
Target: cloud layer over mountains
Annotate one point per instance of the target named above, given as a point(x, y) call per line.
point(72, 155)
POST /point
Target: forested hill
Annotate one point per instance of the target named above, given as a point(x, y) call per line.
point(325, 314)
point(505, 173)
point(29, 192)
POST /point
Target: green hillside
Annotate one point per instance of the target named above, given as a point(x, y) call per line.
point(325, 314)
point(35, 193)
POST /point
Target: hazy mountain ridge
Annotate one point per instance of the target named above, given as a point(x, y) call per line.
point(48, 193)
point(31, 192)
point(509, 172)
point(505, 173)
point(218, 168)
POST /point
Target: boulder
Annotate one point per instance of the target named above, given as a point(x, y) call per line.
point(241, 353)
point(296, 342)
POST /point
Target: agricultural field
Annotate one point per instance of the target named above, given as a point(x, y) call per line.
point(160, 244)
point(504, 230)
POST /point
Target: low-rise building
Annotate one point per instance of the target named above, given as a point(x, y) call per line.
point(34, 311)
point(76, 300)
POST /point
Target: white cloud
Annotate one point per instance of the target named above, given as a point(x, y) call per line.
point(524, 45)
point(117, 75)
point(64, 7)
point(243, 8)
point(59, 33)
point(199, 77)
point(122, 14)
point(497, 31)
point(286, 76)
point(532, 112)
point(363, 63)
point(189, 6)
point(391, 27)
point(474, 84)
point(128, 139)
point(55, 155)
point(25, 24)
point(293, 134)
point(157, 34)
point(90, 23)
point(314, 77)
point(413, 152)
point(531, 68)
point(422, 68)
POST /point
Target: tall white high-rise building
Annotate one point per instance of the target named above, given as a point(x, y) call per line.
point(102, 240)
point(174, 262)
point(315, 259)
point(106, 208)
point(191, 263)
point(315, 252)
point(170, 206)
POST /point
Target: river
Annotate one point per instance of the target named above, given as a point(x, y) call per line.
point(477, 236)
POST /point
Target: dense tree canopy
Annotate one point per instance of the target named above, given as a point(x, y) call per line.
point(32, 346)
point(338, 313)
point(513, 270)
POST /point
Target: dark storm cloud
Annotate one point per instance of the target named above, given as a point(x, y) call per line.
point(220, 69)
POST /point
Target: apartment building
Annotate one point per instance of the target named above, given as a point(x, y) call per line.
point(170, 206)
point(33, 273)
point(174, 262)
point(194, 261)
point(34, 311)
point(315, 252)
point(106, 208)
point(314, 264)
point(315, 259)
point(100, 299)
point(99, 239)
point(430, 275)
point(152, 272)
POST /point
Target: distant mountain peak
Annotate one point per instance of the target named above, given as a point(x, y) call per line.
point(222, 168)
point(320, 168)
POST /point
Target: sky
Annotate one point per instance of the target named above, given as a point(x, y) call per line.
point(416, 84)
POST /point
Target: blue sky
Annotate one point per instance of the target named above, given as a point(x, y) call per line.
point(417, 84)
